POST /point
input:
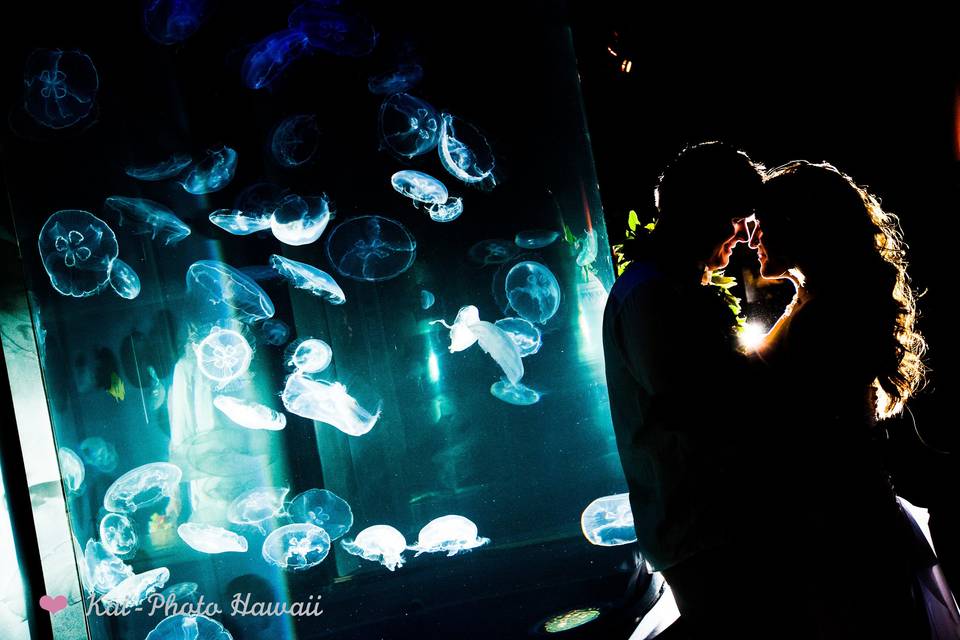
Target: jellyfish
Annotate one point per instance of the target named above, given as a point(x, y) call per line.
point(494, 251)
point(103, 569)
point(217, 282)
point(173, 21)
point(464, 151)
point(468, 328)
point(296, 547)
point(397, 80)
point(184, 626)
point(586, 247)
point(371, 248)
point(533, 291)
point(124, 280)
point(328, 402)
point(156, 392)
point(380, 543)
point(99, 453)
point(181, 592)
point(135, 589)
point(336, 32)
point(295, 140)
point(524, 334)
point(250, 415)
point(256, 506)
point(72, 469)
point(408, 126)
point(324, 509)
point(307, 277)
point(450, 533)
point(146, 217)
point(608, 521)
point(223, 355)
point(207, 538)
point(419, 187)
point(447, 211)
point(518, 394)
point(118, 535)
point(298, 221)
point(142, 487)
point(426, 299)
point(212, 173)
point(536, 238)
point(59, 87)
point(162, 170)
point(310, 356)
point(239, 223)
point(461, 337)
point(270, 57)
point(78, 250)
point(274, 332)
point(260, 200)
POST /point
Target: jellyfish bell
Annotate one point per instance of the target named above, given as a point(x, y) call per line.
point(295, 140)
point(72, 469)
point(59, 87)
point(586, 247)
point(328, 402)
point(250, 415)
point(296, 547)
point(146, 217)
point(379, 543)
point(256, 506)
point(184, 626)
point(525, 334)
point(468, 328)
point(215, 283)
point(464, 151)
point(181, 592)
point(102, 568)
point(212, 173)
point(397, 80)
point(409, 126)
point(450, 533)
point(426, 299)
point(533, 291)
point(268, 59)
point(99, 453)
point(239, 223)
point(419, 187)
point(299, 221)
point(207, 538)
point(447, 211)
point(135, 589)
point(517, 394)
point(162, 170)
point(118, 534)
point(171, 21)
point(274, 332)
point(142, 487)
point(324, 509)
point(307, 277)
point(536, 238)
point(339, 32)
point(493, 251)
point(461, 337)
point(124, 280)
point(371, 248)
point(223, 355)
point(78, 250)
point(608, 521)
point(310, 355)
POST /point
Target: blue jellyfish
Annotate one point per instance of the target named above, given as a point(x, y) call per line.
point(451, 534)
point(162, 170)
point(371, 248)
point(419, 187)
point(296, 547)
point(223, 355)
point(397, 80)
point(146, 217)
point(464, 151)
point(250, 415)
point(295, 140)
point(380, 543)
point(608, 521)
point(260, 200)
point(493, 251)
point(586, 246)
point(275, 332)
point(426, 299)
point(256, 506)
point(468, 329)
point(207, 538)
point(239, 223)
point(328, 402)
point(212, 173)
point(524, 334)
point(124, 280)
point(137, 588)
point(533, 291)
point(447, 211)
point(307, 277)
point(518, 394)
point(408, 126)
point(536, 238)
point(59, 87)
point(72, 469)
point(311, 355)
point(219, 283)
point(181, 592)
point(118, 535)
point(336, 32)
point(188, 627)
point(324, 509)
point(142, 487)
point(102, 568)
point(78, 250)
point(298, 221)
point(270, 57)
point(99, 453)
point(173, 21)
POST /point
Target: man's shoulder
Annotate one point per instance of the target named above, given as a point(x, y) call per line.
point(640, 278)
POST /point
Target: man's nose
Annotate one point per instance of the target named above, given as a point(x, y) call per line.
point(755, 238)
point(741, 233)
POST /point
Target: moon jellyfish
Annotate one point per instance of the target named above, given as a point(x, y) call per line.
point(461, 337)
point(270, 57)
point(336, 32)
point(189, 627)
point(307, 277)
point(77, 249)
point(298, 221)
point(380, 543)
point(447, 211)
point(71, 469)
point(533, 291)
point(608, 521)
point(310, 356)
point(397, 80)
point(250, 415)
point(124, 280)
point(419, 187)
point(239, 223)
point(497, 344)
point(142, 487)
point(426, 299)
point(524, 334)
point(135, 589)
point(256, 506)
point(464, 151)
point(274, 332)
point(492, 251)
point(518, 394)
point(586, 247)
point(212, 173)
point(103, 569)
point(146, 217)
point(218, 283)
point(207, 538)
point(99, 453)
point(371, 248)
point(451, 533)
point(536, 238)
point(162, 170)
point(324, 509)
point(118, 535)
point(59, 87)
point(328, 402)
point(172, 21)
point(181, 592)
point(408, 126)
point(223, 355)
point(295, 140)
point(296, 547)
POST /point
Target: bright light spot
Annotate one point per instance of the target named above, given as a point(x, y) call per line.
point(433, 366)
point(570, 620)
point(626, 66)
point(752, 335)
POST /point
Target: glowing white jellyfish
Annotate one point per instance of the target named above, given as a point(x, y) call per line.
point(78, 250)
point(408, 126)
point(124, 280)
point(207, 538)
point(146, 217)
point(298, 221)
point(212, 173)
point(518, 394)
point(380, 543)
point(536, 238)
point(461, 337)
point(250, 415)
point(119, 535)
point(135, 589)
point(419, 187)
point(239, 223)
point(447, 211)
point(468, 329)
point(324, 509)
point(188, 627)
point(256, 506)
point(99, 453)
point(426, 299)
point(218, 283)
point(464, 151)
point(328, 402)
point(524, 334)
point(451, 533)
point(102, 568)
point(608, 521)
point(586, 247)
point(72, 469)
point(311, 355)
point(533, 291)
point(296, 547)
point(371, 248)
point(142, 487)
point(307, 277)
point(223, 355)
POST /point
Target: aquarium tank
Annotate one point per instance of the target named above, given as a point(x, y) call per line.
point(313, 296)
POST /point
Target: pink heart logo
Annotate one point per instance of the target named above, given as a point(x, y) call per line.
point(53, 605)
